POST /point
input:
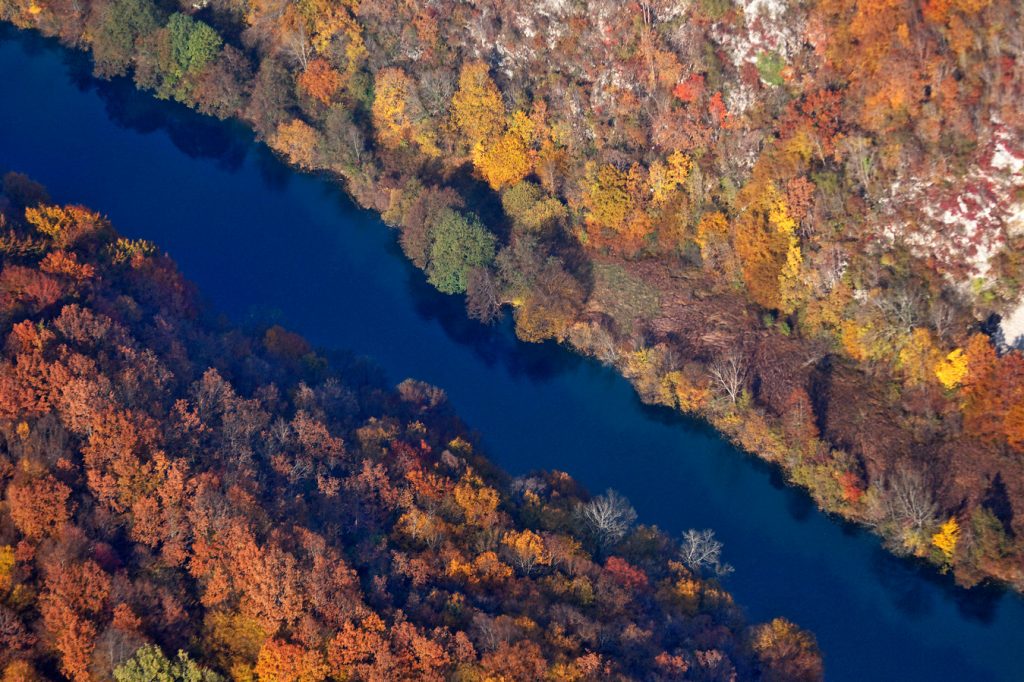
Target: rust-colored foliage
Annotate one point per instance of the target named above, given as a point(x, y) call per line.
point(173, 484)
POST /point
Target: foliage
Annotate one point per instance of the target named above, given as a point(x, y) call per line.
point(952, 369)
point(477, 107)
point(171, 483)
point(149, 664)
point(838, 176)
point(460, 243)
point(947, 537)
point(193, 44)
point(118, 27)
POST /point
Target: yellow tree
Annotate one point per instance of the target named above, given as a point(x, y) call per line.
point(606, 197)
point(478, 501)
point(666, 177)
point(713, 240)
point(791, 285)
point(952, 370)
point(526, 550)
point(509, 158)
point(947, 538)
point(918, 358)
point(298, 141)
point(767, 246)
point(398, 116)
point(477, 108)
point(326, 20)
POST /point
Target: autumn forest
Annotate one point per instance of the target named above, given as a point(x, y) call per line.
point(801, 223)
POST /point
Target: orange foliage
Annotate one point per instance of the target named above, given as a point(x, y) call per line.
point(283, 662)
point(39, 507)
point(320, 80)
point(298, 141)
point(994, 393)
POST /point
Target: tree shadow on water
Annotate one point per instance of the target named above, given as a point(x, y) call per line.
point(912, 587)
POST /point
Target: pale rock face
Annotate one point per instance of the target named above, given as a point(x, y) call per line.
point(1012, 327)
point(767, 29)
point(962, 226)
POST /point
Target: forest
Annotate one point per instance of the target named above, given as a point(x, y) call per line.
point(802, 222)
point(185, 500)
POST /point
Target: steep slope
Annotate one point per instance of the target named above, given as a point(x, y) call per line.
point(170, 485)
point(795, 219)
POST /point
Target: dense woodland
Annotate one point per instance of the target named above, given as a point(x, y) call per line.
point(186, 501)
point(795, 219)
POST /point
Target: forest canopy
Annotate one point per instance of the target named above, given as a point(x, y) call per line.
point(800, 221)
point(183, 500)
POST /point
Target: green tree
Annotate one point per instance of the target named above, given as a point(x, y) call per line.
point(118, 26)
point(193, 43)
point(149, 664)
point(460, 243)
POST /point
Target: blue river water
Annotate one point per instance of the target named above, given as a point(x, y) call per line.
point(263, 242)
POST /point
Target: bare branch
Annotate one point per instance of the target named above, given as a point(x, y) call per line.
point(730, 373)
point(701, 552)
point(607, 517)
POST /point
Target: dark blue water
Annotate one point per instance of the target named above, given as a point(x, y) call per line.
point(261, 240)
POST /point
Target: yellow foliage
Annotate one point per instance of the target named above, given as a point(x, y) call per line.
point(790, 283)
point(767, 246)
point(298, 141)
point(489, 567)
point(712, 231)
point(62, 224)
point(459, 568)
point(7, 563)
point(478, 501)
point(861, 341)
point(947, 538)
point(527, 548)
point(851, 336)
point(822, 313)
point(130, 250)
point(50, 220)
point(606, 196)
point(918, 357)
point(665, 178)
point(398, 118)
point(682, 393)
point(952, 370)
point(422, 526)
point(509, 159)
point(325, 20)
point(477, 108)
point(234, 640)
point(688, 592)
point(20, 671)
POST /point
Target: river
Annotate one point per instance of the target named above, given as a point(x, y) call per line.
point(263, 242)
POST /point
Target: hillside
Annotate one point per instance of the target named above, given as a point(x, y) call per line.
point(800, 221)
point(171, 484)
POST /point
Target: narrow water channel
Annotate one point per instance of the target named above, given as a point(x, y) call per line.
point(266, 243)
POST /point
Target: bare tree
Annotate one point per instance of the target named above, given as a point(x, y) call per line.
point(701, 552)
point(902, 306)
point(730, 372)
point(607, 517)
point(295, 43)
point(909, 501)
point(483, 295)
